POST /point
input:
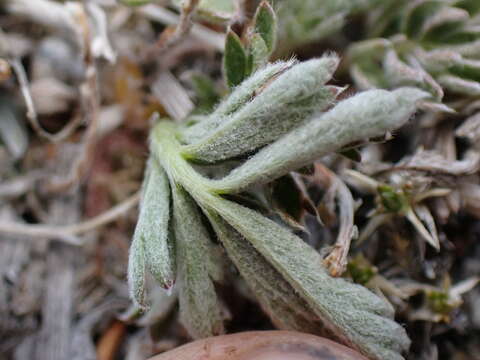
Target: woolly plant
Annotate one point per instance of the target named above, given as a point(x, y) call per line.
point(431, 44)
point(303, 22)
point(280, 118)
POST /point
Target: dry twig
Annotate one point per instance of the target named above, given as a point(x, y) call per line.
point(32, 113)
point(337, 260)
point(90, 105)
point(174, 34)
point(69, 233)
point(160, 14)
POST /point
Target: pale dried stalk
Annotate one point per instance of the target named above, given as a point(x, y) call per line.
point(69, 233)
point(74, 16)
point(173, 35)
point(90, 107)
point(160, 14)
point(172, 95)
point(19, 185)
point(336, 261)
point(32, 113)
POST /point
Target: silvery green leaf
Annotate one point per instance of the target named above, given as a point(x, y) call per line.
point(352, 313)
point(467, 68)
point(276, 296)
point(399, 74)
point(234, 60)
point(382, 15)
point(471, 48)
point(241, 95)
point(362, 116)
point(200, 310)
point(459, 85)
point(259, 53)
point(363, 79)
point(305, 21)
point(136, 272)
point(416, 14)
point(438, 61)
point(265, 22)
point(367, 58)
point(443, 21)
point(301, 22)
point(282, 105)
point(364, 50)
point(153, 224)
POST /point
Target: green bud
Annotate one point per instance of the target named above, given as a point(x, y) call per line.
point(360, 270)
point(265, 24)
point(394, 201)
point(234, 60)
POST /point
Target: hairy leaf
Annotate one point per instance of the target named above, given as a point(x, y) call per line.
point(200, 310)
point(136, 272)
point(354, 314)
point(153, 224)
point(234, 60)
point(241, 95)
point(282, 105)
point(276, 296)
point(266, 25)
point(259, 54)
point(365, 115)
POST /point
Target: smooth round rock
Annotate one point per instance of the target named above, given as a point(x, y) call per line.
point(262, 345)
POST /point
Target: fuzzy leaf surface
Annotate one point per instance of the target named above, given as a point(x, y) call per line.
point(352, 313)
point(234, 60)
point(200, 310)
point(241, 95)
point(136, 272)
point(276, 296)
point(281, 106)
point(153, 224)
point(362, 116)
point(266, 24)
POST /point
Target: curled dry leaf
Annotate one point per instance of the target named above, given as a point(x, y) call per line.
point(336, 261)
point(434, 162)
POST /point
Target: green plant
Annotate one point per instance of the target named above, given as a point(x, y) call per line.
point(280, 118)
point(303, 22)
point(431, 44)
